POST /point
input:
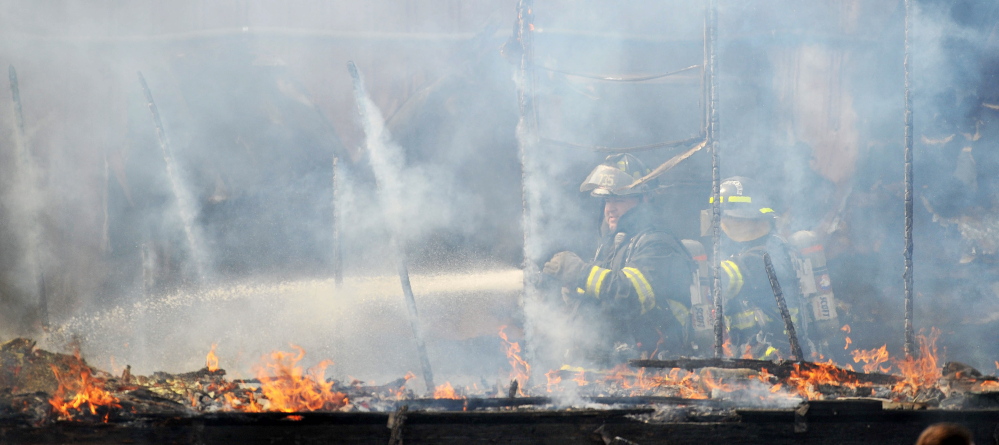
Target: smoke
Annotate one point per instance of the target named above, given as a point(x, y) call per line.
point(256, 103)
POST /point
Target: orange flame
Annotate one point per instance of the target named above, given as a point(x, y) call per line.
point(554, 378)
point(923, 371)
point(640, 381)
point(710, 384)
point(521, 370)
point(446, 391)
point(727, 347)
point(291, 389)
point(989, 385)
point(212, 360)
point(807, 380)
point(88, 392)
point(846, 328)
point(872, 359)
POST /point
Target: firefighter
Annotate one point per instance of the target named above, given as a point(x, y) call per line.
point(748, 223)
point(635, 282)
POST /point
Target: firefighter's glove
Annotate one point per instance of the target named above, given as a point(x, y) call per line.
point(566, 267)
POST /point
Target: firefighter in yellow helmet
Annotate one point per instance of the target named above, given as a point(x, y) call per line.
point(640, 273)
point(754, 322)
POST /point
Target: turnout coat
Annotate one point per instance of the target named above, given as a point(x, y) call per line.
point(639, 281)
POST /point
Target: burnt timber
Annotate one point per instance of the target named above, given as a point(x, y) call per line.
point(840, 422)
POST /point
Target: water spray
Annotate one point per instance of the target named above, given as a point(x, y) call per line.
point(389, 191)
point(184, 200)
point(28, 177)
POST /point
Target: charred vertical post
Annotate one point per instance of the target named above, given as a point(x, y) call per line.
point(907, 253)
point(711, 40)
point(26, 171)
point(337, 241)
point(360, 96)
point(792, 336)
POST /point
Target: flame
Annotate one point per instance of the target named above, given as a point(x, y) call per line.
point(747, 352)
point(989, 385)
point(923, 371)
point(521, 370)
point(446, 391)
point(872, 359)
point(727, 347)
point(806, 380)
point(88, 392)
point(640, 382)
point(291, 389)
point(554, 379)
point(710, 384)
point(212, 360)
point(846, 328)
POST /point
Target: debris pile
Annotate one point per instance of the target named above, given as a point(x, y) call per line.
point(40, 387)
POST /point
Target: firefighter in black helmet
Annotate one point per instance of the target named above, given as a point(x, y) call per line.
point(754, 322)
point(640, 274)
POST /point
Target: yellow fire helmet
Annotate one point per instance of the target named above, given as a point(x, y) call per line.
point(741, 198)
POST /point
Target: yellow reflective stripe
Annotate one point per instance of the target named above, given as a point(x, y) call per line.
point(766, 210)
point(767, 354)
point(646, 296)
point(736, 198)
point(595, 281)
point(735, 280)
point(680, 311)
point(743, 320)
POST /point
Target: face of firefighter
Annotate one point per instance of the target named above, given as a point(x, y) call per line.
point(615, 207)
point(745, 229)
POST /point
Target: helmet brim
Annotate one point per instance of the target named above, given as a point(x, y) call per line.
point(606, 180)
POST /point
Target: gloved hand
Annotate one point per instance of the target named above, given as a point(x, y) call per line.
point(566, 267)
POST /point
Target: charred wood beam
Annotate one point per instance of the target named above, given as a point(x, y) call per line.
point(792, 336)
point(474, 403)
point(396, 421)
point(711, 36)
point(634, 149)
point(780, 369)
point(910, 343)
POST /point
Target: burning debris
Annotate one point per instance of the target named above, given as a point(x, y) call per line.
point(41, 387)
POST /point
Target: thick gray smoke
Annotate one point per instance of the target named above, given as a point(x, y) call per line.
point(256, 102)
